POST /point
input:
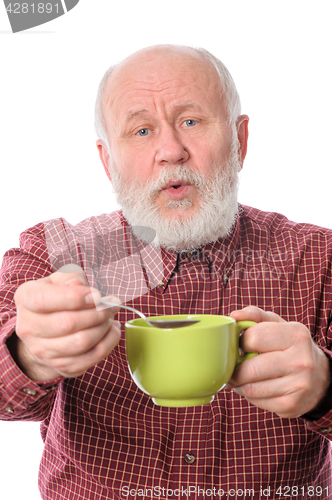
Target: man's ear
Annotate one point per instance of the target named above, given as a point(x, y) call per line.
point(104, 156)
point(242, 134)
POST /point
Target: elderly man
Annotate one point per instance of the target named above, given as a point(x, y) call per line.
point(172, 141)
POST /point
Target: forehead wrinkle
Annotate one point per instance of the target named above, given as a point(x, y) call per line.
point(187, 105)
point(150, 85)
point(121, 91)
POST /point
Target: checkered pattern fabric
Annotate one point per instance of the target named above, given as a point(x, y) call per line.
point(104, 438)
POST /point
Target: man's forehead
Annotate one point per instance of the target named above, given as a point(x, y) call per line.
point(155, 66)
point(152, 70)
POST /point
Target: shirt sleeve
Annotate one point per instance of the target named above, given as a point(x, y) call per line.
point(21, 398)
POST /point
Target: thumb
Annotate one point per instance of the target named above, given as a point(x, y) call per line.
point(253, 313)
point(71, 274)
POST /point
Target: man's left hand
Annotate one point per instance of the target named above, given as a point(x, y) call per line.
point(291, 374)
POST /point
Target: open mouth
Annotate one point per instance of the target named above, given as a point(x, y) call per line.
point(176, 189)
point(176, 184)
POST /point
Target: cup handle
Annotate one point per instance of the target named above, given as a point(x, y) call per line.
point(243, 325)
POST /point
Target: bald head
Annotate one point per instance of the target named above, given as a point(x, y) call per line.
point(157, 59)
point(149, 55)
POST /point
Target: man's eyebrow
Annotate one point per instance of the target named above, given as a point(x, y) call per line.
point(188, 105)
point(132, 114)
point(179, 107)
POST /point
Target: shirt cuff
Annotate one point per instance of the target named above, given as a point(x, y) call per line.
point(17, 392)
point(320, 419)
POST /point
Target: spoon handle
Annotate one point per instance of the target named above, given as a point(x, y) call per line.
point(136, 311)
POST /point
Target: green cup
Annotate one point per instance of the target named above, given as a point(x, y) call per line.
point(184, 366)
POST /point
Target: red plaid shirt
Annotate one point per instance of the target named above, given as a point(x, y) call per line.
point(104, 438)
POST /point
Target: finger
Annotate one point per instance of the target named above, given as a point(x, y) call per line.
point(110, 299)
point(265, 389)
point(75, 344)
point(263, 367)
point(253, 313)
point(70, 274)
point(61, 323)
point(267, 336)
point(281, 396)
point(283, 406)
point(62, 277)
point(44, 296)
point(71, 268)
point(76, 365)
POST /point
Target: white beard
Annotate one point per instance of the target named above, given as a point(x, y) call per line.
point(213, 219)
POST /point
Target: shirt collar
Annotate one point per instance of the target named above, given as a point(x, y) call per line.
point(157, 262)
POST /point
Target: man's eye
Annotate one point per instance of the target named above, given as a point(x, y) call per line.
point(190, 123)
point(143, 132)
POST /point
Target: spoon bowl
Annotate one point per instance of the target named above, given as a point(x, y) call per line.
point(155, 323)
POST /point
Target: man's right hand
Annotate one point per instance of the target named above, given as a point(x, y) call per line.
point(59, 331)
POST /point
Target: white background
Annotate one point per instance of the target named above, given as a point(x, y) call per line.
point(279, 53)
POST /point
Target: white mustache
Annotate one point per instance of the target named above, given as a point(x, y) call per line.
point(180, 173)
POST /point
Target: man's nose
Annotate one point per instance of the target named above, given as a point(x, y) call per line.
point(170, 148)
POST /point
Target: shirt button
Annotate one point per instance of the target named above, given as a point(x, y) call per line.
point(189, 458)
point(192, 254)
point(31, 392)
point(161, 284)
point(9, 409)
point(51, 387)
point(326, 430)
